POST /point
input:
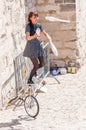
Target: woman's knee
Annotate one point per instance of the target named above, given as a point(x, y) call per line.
point(36, 66)
point(35, 63)
point(41, 61)
point(42, 64)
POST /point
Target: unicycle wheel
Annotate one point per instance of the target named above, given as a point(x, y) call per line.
point(31, 106)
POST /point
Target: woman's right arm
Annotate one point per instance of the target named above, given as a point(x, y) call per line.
point(28, 37)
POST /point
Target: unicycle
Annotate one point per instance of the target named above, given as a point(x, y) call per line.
point(31, 106)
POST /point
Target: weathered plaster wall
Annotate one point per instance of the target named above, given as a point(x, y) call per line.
point(81, 29)
point(12, 41)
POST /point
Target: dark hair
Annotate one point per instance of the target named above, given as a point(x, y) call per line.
point(31, 14)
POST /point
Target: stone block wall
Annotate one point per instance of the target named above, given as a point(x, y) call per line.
point(63, 34)
point(81, 29)
point(12, 42)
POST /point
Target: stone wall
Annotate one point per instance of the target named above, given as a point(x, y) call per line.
point(30, 5)
point(13, 18)
point(81, 29)
point(63, 35)
point(12, 41)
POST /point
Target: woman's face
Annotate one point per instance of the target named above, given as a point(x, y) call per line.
point(34, 19)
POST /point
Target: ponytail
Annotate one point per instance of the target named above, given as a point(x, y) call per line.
point(30, 15)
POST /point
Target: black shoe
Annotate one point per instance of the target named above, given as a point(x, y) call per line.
point(30, 82)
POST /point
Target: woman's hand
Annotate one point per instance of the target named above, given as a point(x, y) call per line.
point(35, 36)
point(31, 37)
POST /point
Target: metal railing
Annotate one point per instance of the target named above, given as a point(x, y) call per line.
point(22, 68)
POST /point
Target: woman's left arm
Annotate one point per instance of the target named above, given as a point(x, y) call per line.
point(47, 35)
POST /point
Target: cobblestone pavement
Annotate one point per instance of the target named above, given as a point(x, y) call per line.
point(63, 107)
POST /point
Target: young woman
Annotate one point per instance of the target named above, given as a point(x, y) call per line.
point(33, 49)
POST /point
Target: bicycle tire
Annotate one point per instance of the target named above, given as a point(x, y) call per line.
point(28, 106)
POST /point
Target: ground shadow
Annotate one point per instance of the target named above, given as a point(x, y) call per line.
point(14, 122)
point(26, 118)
